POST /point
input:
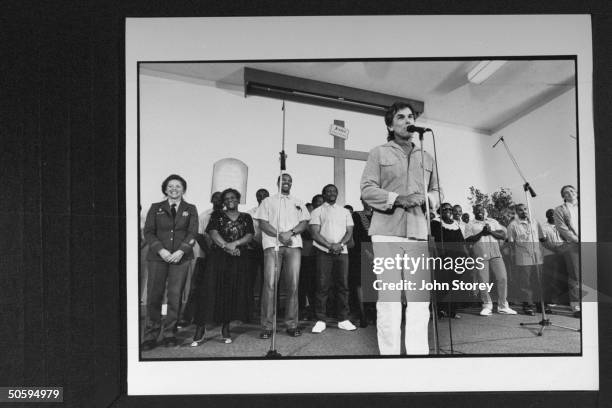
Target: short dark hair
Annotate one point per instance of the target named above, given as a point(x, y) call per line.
point(213, 195)
point(567, 186)
point(173, 177)
point(439, 210)
point(551, 211)
point(314, 198)
point(328, 185)
point(390, 113)
point(230, 190)
point(278, 179)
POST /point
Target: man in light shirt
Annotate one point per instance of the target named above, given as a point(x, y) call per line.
point(567, 223)
point(288, 216)
point(331, 227)
point(524, 237)
point(554, 266)
point(484, 233)
point(393, 184)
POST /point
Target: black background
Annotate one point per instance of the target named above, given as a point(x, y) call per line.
point(62, 232)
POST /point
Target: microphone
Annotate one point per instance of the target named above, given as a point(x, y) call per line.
point(420, 130)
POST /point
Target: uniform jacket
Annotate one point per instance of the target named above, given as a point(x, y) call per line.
point(162, 231)
point(388, 169)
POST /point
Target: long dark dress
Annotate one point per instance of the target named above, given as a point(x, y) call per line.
point(225, 295)
point(453, 247)
point(361, 221)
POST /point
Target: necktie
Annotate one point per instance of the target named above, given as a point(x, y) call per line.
point(173, 210)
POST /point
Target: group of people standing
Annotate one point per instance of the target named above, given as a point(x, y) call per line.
point(399, 184)
point(232, 239)
point(540, 258)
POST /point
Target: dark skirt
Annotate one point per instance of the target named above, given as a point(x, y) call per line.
point(224, 295)
point(355, 264)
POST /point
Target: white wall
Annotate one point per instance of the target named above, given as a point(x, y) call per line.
point(460, 163)
point(186, 127)
point(541, 145)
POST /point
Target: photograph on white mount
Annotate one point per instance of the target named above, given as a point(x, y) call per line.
point(417, 204)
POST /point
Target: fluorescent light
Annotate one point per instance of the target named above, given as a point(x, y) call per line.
point(484, 70)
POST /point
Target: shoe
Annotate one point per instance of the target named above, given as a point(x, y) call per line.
point(169, 342)
point(319, 327)
point(198, 337)
point(148, 345)
point(296, 332)
point(226, 337)
point(346, 325)
point(182, 324)
point(456, 316)
point(506, 310)
point(266, 334)
point(528, 311)
point(547, 309)
point(306, 315)
point(486, 311)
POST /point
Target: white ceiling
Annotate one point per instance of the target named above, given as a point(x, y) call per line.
point(516, 89)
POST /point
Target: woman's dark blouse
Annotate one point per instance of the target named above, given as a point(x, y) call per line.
point(230, 230)
point(361, 221)
point(454, 243)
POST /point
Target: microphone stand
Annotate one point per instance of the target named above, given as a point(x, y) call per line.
point(545, 322)
point(431, 247)
point(272, 353)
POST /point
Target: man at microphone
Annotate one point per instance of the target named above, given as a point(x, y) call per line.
point(393, 184)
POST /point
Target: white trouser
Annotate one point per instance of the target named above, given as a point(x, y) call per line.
point(389, 313)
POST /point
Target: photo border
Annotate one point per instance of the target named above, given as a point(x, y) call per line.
point(192, 33)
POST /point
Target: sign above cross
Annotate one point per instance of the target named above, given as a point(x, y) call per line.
point(339, 154)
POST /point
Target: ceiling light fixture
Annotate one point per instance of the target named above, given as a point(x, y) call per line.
point(484, 70)
point(303, 90)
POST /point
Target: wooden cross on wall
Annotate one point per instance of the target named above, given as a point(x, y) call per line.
point(340, 155)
